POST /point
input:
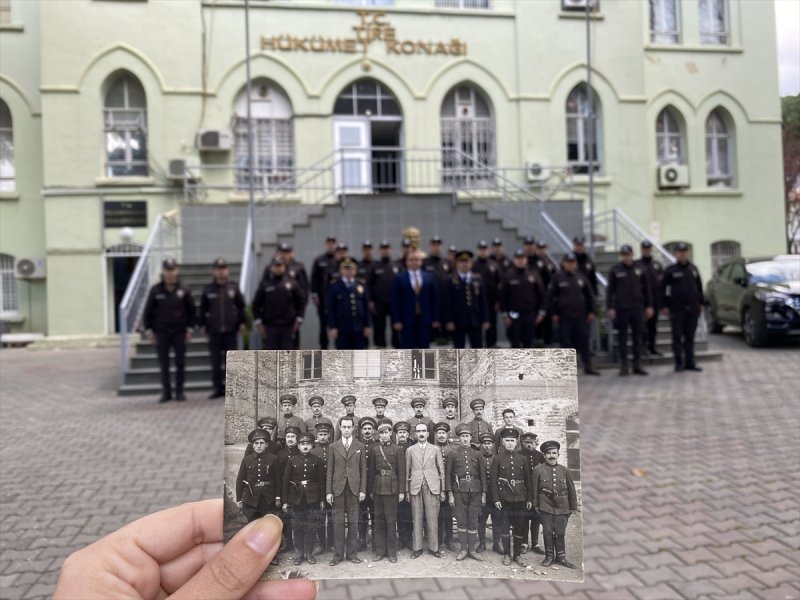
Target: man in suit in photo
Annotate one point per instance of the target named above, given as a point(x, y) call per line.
point(415, 304)
point(425, 474)
point(346, 485)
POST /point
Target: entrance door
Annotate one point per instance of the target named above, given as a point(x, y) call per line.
point(352, 141)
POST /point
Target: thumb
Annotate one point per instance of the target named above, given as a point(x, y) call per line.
point(239, 565)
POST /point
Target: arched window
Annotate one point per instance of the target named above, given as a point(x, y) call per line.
point(7, 175)
point(9, 297)
point(723, 251)
point(273, 134)
point(366, 98)
point(719, 149)
point(468, 137)
point(578, 120)
point(125, 117)
point(669, 137)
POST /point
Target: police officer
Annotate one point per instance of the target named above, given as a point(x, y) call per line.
point(221, 317)
point(534, 457)
point(585, 264)
point(258, 481)
point(168, 317)
point(386, 483)
point(288, 419)
point(488, 509)
point(268, 425)
point(501, 260)
point(297, 271)
point(316, 403)
point(522, 302)
point(441, 432)
point(654, 272)
point(490, 277)
point(466, 484)
point(465, 308)
point(324, 265)
point(682, 299)
point(571, 306)
point(547, 271)
point(512, 494)
point(628, 303)
point(379, 288)
point(452, 250)
point(290, 449)
point(419, 404)
point(508, 423)
point(450, 407)
point(278, 308)
point(302, 492)
point(405, 248)
point(322, 450)
point(529, 248)
point(348, 311)
point(367, 426)
point(366, 262)
point(435, 263)
point(478, 425)
point(405, 523)
point(380, 405)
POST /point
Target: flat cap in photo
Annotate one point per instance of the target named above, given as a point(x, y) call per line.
point(681, 247)
point(293, 429)
point(402, 426)
point(486, 437)
point(449, 400)
point(349, 398)
point(437, 239)
point(258, 434)
point(529, 239)
point(380, 402)
point(463, 428)
point(289, 398)
point(497, 242)
point(416, 401)
point(464, 255)
point(323, 426)
point(549, 445)
point(348, 263)
point(508, 432)
point(441, 425)
point(625, 249)
point(366, 244)
point(528, 436)
point(220, 263)
point(316, 400)
point(483, 244)
point(519, 252)
point(271, 421)
point(367, 421)
point(306, 437)
point(579, 240)
point(250, 435)
point(385, 244)
point(646, 244)
point(477, 402)
point(384, 426)
point(169, 264)
point(570, 257)
point(285, 247)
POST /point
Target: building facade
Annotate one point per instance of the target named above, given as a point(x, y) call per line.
point(98, 98)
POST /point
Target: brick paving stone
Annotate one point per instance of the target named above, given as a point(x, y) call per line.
point(659, 559)
point(739, 595)
point(767, 546)
point(738, 582)
point(624, 563)
point(771, 561)
point(774, 577)
point(654, 576)
point(782, 592)
point(656, 592)
point(617, 581)
point(614, 594)
point(697, 555)
point(371, 589)
point(14, 593)
point(731, 552)
point(695, 589)
point(695, 572)
point(732, 567)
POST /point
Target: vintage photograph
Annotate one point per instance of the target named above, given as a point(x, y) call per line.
point(408, 463)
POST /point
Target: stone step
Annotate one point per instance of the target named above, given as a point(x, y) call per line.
point(605, 362)
point(153, 375)
point(154, 389)
point(150, 360)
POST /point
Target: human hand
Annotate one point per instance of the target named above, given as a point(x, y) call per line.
point(151, 337)
point(483, 499)
point(485, 325)
point(333, 333)
point(402, 497)
point(539, 319)
point(367, 332)
point(442, 496)
point(528, 505)
point(397, 327)
point(648, 312)
point(202, 330)
point(590, 317)
point(554, 319)
point(179, 552)
point(329, 499)
point(451, 500)
point(611, 313)
point(262, 330)
point(242, 329)
point(278, 503)
point(665, 312)
point(373, 308)
point(361, 496)
point(507, 321)
point(188, 335)
point(285, 508)
point(450, 327)
point(498, 505)
point(295, 327)
point(435, 324)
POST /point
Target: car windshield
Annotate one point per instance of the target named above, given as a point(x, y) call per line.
point(774, 271)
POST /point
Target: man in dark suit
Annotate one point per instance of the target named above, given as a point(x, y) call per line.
point(415, 304)
point(387, 485)
point(346, 486)
point(348, 310)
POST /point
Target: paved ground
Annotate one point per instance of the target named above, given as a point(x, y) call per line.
point(714, 513)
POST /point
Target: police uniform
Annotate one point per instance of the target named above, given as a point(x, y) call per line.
point(534, 458)
point(386, 481)
point(273, 447)
point(405, 522)
point(222, 314)
point(629, 295)
point(312, 421)
point(383, 402)
point(521, 300)
point(554, 498)
point(510, 482)
point(379, 288)
point(284, 454)
point(287, 421)
point(501, 260)
point(323, 266)
point(278, 304)
point(297, 271)
point(452, 422)
point(466, 306)
point(169, 312)
point(325, 529)
point(303, 491)
point(348, 312)
point(367, 507)
point(547, 271)
point(682, 294)
point(258, 482)
point(498, 440)
point(414, 421)
point(466, 483)
point(478, 426)
point(653, 272)
point(445, 522)
point(488, 509)
point(585, 265)
point(490, 275)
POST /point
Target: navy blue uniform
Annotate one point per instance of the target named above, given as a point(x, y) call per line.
point(628, 294)
point(379, 287)
point(466, 306)
point(222, 314)
point(323, 266)
point(569, 297)
point(682, 294)
point(348, 313)
point(279, 302)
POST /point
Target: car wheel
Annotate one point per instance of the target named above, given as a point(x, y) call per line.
point(714, 326)
point(755, 334)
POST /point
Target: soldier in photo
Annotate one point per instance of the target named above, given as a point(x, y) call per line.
point(380, 405)
point(415, 304)
point(349, 403)
point(501, 260)
point(418, 405)
point(522, 302)
point(379, 288)
point(512, 494)
point(653, 271)
point(491, 276)
point(348, 312)
point(366, 262)
point(168, 318)
point(467, 483)
point(346, 486)
point(465, 309)
point(367, 427)
point(529, 443)
point(405, 523)
point(258, 482)
point(387, 488)
point(289, 450)
point(321, 449)
point(425, 475)
point(585, 265)
point(487, 450)
point(316, 403)
point(554, 498)
point(303, 485)
point(268, 425)
point(628, 304)
point(682, 299)
point(222, 318)
point(450, 406)
point(278, 308)
point(441, 432)
point(508, 423)
point(570, 305)
point(478, 425)
point(324, 265)
point(288, 419)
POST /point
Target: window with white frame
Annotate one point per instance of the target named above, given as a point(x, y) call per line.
point(9, 295)
point(8, 181)
point(462, 3)
point(366, 97)
point(723, 251)
point(311, 367)
point(468, 138)
point(125, 116)
point(714, 22)
point(579, 119)
point(719, 149)
point(273, 134)
point(665, 26)
point(367, 363)
point(423, 364)
point(669, 137)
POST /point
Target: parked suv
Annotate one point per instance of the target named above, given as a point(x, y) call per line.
point(761, 295)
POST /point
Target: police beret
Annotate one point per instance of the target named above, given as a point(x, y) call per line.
point(464, 255)
point(415, 401)
point(401, 425)
point(284, 247)
point(463, 428)
point(646, 244)
point(441, 425)
point(486, 437)
point(549, 445)
point(381, 401)
point(169, 264)
point(258, 434)
point(292, 429)
point(289, 398)
point(316, 400)
point(509, 432)
point(306, 437)
point(406, 243)
point(570, 257)
point(347, 399)
point(330, 238)
point(385, 244)
point(449, 400)
point(519, 252)
point(436, 239)
point(272, 421)
point(497, 242)
point(348, 263)
point(384, 426)
point(483, 244)
point(367, 421)
point(579, 240)
point(625, 249)
point(323, 427)
point(681, 247)
point(477, 402)
point(528, 436)
point(220, 263)
point(541, 244)
point(366, 244)
point(529, 239)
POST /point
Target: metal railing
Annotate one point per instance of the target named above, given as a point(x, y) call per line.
point(163, 242)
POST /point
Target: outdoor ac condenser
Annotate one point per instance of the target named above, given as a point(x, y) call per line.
point(30, 268)
point(214, 140)
point(673, 176)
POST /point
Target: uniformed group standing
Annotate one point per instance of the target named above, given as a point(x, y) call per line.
point(407, 492)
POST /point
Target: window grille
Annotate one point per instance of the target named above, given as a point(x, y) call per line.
point(719, 141)
point(578, 119)
point(468, 139)
point(723, 251)
point(8, 181)
point(366, 98)
point(669, 138)
point(665, 27)
point(714, 22)
point(9, 295)
point(463, 4)
point(125, 126)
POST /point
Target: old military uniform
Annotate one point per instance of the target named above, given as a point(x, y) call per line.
point(312, 421)
point(367, 507)
point(534, 458)
point(272, 446)
point(321, 270)
point(478, 426)
point(466, 306)
point(415, 420)
point(258, 482)
point(682, 294)
point(554, 498)
point(466, 480)
point(445, 523)
point(453, 421)
point(405, 522)
point(322, 451)
point(488, 509)
point(303, 491)
point(510, 482)
point(348, 312)
point(289, 420)
point(386, 481)
point(349, 399)
point(284, 454)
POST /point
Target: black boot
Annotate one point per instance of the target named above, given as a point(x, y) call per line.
point(624, 370)
point(638, 370)
point(548, 560)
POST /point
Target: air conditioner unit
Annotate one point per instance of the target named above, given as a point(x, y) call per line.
point(673, 176)
point(578, 4)
point(536, 171)
point(214, 140)
point(30, 268)
point(177, 168)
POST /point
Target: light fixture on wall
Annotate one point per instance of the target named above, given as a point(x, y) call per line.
point(126, 235)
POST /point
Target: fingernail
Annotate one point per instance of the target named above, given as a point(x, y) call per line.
point(264, 534)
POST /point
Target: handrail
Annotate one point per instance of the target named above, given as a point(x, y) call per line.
point(248, 274)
